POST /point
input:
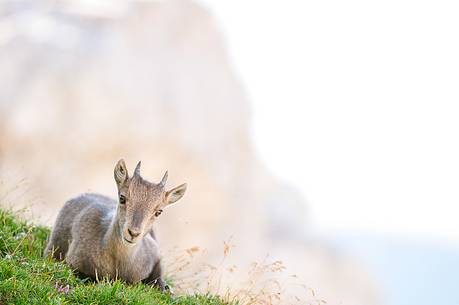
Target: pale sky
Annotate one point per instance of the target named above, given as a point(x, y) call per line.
point(357, 104)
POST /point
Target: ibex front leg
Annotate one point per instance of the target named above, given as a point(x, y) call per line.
point(156, 278)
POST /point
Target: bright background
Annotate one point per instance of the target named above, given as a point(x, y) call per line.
point(354, 103)
point(357, 104)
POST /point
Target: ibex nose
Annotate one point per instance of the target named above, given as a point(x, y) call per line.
point(133, 234)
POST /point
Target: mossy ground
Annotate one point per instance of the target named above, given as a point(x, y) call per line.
point(28, 278)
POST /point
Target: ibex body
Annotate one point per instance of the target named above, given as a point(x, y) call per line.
point(98, 236)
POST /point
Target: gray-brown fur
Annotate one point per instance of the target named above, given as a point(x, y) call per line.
point(98, 236)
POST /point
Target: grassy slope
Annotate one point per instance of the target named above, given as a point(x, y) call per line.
point(27, 278)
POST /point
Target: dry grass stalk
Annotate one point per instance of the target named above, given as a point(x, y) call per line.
point(260, 283)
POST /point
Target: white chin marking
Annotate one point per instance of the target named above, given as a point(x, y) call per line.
point(127, 242)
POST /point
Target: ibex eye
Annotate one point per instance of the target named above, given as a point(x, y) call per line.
point(158, 212)
point(122, 199)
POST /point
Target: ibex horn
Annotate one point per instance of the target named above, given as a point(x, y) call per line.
point(163, 181)
point(137, 169)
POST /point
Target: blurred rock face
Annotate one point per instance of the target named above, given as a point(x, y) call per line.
point(147, 81)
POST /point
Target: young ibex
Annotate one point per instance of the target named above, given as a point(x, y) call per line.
point(98, 236)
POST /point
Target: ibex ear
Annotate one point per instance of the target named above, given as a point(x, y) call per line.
point(120, 173)
point(175, 194)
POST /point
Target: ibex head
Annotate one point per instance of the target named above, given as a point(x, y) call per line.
point(141, 202)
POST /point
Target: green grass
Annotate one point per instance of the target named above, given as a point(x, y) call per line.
point(28, 278)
